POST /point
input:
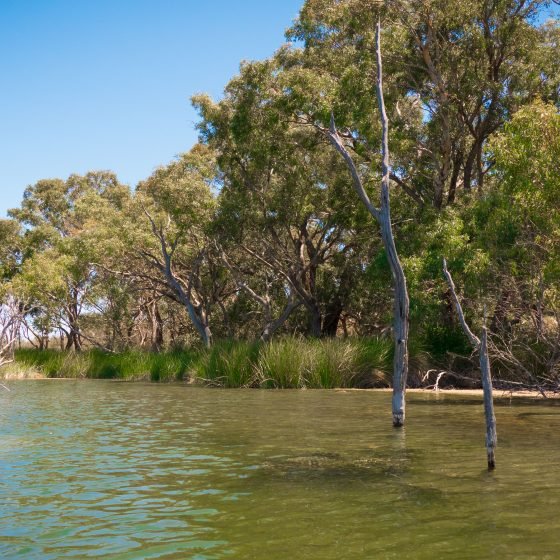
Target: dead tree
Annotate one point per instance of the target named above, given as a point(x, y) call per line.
point(383, 216)
point(480, 345)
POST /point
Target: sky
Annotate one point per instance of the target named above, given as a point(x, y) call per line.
point(105, 84)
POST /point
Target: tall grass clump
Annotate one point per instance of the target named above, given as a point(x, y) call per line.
point(351, 363)
point(331, 364)
point(228, 363)
point(96, 364)
point(374, 365)
point(52, 363)
point(284, 363)
point(327, 363)
point(288, 362)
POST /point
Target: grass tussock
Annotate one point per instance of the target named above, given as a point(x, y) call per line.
point(96, 364)
point(227, 364)
point(283, 363)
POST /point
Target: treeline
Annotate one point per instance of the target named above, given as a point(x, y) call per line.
point(256, 232)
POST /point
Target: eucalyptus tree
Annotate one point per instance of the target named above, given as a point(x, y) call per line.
point(57, 275)
point(11, 312)
point(282, 198)
point(11, 308)
point(455, 72)
point(11, 249)
point(177, 204)
point(518, 225)
point(257, 287)
point(158, 242)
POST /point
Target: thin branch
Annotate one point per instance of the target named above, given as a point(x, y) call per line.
point(474, 340)
point(332, 134)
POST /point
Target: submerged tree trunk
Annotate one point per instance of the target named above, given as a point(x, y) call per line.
point(383, 217)
point(491, 436)
point(401, 303)
point(400, 325)
point(481, 346)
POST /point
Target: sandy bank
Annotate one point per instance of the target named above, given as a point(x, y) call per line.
point(498, 393)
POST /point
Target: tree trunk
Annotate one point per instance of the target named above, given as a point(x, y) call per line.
point(469, 164)
point(157, 327)
point(400, 317)
point(383, 217)
point(491, 436)
point(445, 163)
point(272, 326)
point(332, 318)
point(198, 318)
point(457, 162)
point(481, 346)
point(401, 302)
point(315, 319)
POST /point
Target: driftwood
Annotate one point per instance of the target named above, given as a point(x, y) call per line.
point(383, 216)
point(481, 346)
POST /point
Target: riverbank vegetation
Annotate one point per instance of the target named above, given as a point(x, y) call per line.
point(250, 261)
point(283, 363)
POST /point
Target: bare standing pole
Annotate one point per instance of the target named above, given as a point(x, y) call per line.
point(481, 346)
point(491, 436)
point(383, 216)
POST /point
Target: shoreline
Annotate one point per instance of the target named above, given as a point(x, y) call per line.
point(498, 393)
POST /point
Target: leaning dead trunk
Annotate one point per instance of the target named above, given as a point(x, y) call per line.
point(383, 217)
point(481, 346)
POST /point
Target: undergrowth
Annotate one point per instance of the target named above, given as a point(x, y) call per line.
point(288, 362)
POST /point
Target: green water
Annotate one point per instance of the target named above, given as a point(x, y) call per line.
point(129, 471)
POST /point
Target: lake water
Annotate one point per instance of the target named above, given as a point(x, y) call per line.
point(133, 471)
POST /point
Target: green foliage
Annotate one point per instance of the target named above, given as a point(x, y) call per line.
point(283, 363)
point(257, 228)
point(96, 364)
point(228, 364)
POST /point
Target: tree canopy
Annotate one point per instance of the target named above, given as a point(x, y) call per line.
point(256, 232)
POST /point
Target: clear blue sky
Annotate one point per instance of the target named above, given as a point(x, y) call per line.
point(105, 84)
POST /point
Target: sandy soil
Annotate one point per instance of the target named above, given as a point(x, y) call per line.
point(498, 393)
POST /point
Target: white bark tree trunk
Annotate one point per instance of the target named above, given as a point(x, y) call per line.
point(383, 217)
point(481, 346)
point(11, 317)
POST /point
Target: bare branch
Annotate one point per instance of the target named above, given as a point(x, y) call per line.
point(336, 141)
point(473, 339)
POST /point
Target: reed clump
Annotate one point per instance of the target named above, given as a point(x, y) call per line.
point(288, 362)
